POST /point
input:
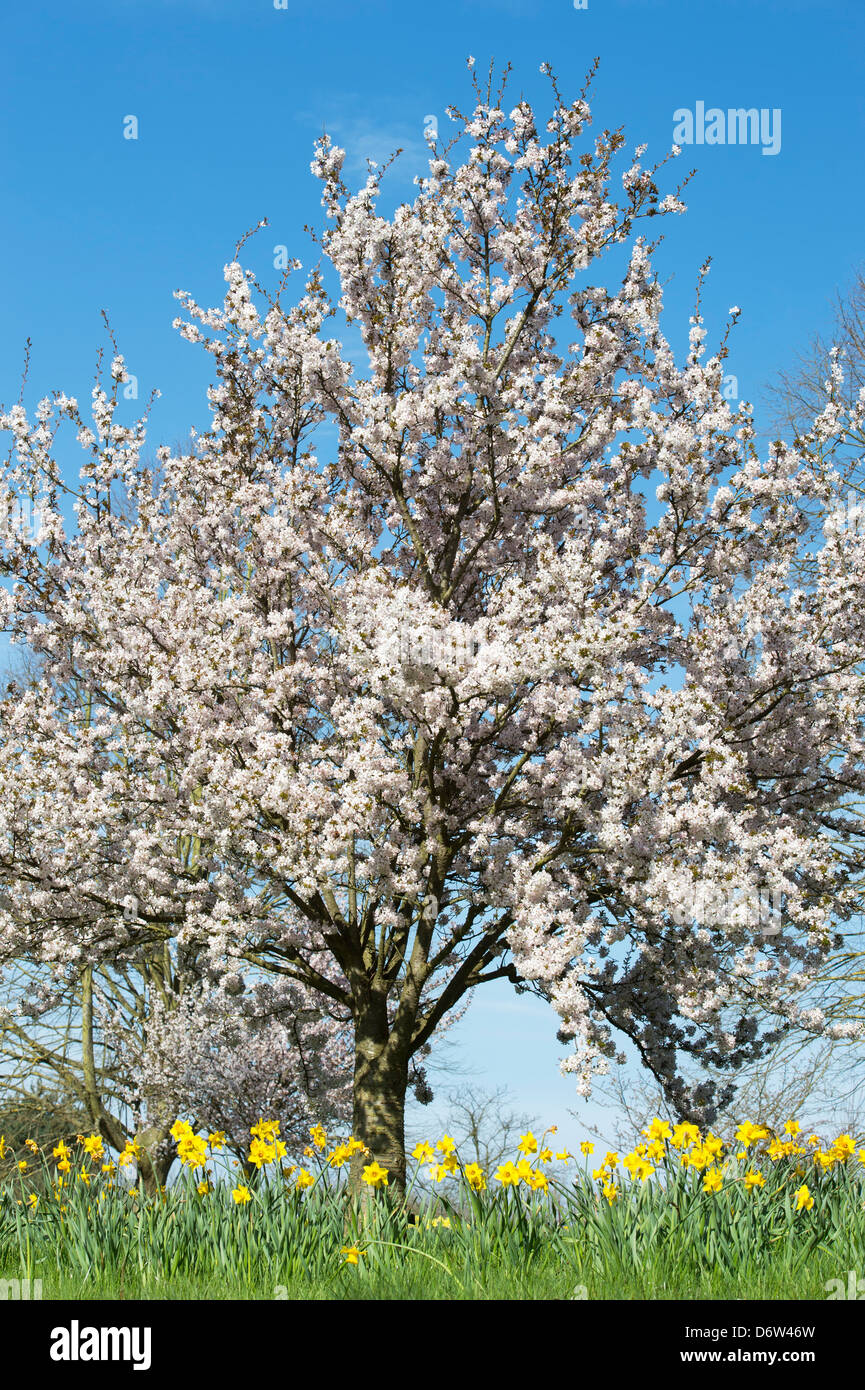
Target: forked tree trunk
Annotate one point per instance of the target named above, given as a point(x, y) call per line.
point(378, 1112)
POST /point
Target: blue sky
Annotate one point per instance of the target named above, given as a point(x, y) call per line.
point(229, 96)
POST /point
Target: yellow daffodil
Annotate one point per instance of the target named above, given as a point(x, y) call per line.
point(507, 1175)
point(844, 1147)
point(192, 1151)
point(698, 1158)
point(748, 1133)
point(265, 1130)
point(474, 1176)
point(374, 1175)
point(658, 1130)
point(93, 1145)
point(261, 1154)
point(685, 1134)
point(524, 1171)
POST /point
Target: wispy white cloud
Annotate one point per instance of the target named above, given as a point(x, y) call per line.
point(364, 137)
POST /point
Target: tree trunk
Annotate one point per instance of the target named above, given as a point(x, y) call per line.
point(378, 1116)
point(153, 1165)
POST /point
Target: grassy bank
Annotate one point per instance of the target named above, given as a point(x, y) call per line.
point(681, 1217)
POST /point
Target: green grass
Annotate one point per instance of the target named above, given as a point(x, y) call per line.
point(545, 1279)
point(669, 1238)
point(510, 1247)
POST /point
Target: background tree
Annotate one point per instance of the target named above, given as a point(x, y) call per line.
point(817, 1082)
point(798, 394)
point(833, 365)
point(130, 1055)
point(458, 701)
point(485, 1126)
point(797, 1076)
point(46, 1118)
